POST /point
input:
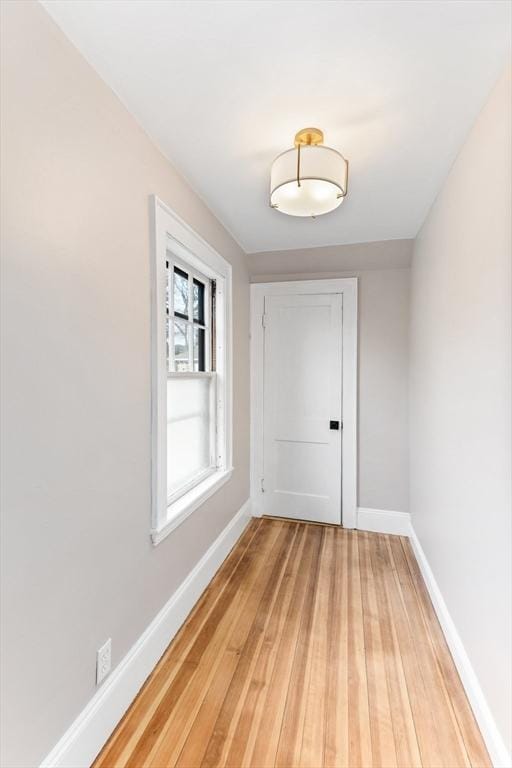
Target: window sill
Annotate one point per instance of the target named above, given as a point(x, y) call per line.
point(178, 511)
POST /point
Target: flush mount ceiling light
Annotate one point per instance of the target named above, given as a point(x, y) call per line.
point(309, 180)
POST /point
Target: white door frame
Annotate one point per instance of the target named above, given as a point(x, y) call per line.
point(347, 287)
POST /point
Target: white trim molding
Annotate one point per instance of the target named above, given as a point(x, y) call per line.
point(383, 521)
point(348, 288)
point(192, 501)
point(498, 752)
point(86, 736)
point(174, 239)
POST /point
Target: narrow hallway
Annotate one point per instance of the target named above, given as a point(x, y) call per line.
point(313, 646)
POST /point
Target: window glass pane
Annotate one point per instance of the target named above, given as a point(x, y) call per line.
point(181, 356)
point(199, 349)
point(188, 430)
point(198, 301)
point(180, 291)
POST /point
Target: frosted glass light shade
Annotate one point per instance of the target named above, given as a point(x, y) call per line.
point(323, 181)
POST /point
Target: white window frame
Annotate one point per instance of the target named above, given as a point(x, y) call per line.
point(172, 236)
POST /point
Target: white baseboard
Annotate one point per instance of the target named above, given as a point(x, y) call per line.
point(383, 521)
point(499, 754)
point(86, 736)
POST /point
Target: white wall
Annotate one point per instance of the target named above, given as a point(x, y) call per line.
point(77, 562)
point(461, 398)
point(383, 272)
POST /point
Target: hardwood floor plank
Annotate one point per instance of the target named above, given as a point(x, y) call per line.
point(206, 646)
point(244, 737)
point(313, 732)
point(424, 722)
point(381, 725)
point(336, 747)
point(206, 690)
point(312, 647)
point(452, 750)
point(477, 752)
point(266, 744)
point(290, 739)
point(229, 711)
point(360, 743)
point(406, 742)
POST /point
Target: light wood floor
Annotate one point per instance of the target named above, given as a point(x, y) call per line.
point(313, 646)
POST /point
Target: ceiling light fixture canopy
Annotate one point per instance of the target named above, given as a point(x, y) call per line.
point(310, 179)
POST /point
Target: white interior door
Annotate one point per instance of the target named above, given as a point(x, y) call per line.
point(302, 407)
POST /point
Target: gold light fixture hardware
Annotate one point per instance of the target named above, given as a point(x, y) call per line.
point(309, 137)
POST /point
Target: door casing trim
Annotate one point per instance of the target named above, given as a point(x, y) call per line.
point(349, 469)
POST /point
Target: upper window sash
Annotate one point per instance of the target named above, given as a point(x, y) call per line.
point(192, 317)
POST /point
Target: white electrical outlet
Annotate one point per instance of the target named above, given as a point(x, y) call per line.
point(103, 661)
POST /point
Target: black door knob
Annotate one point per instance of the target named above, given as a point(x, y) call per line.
point(334, 425)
